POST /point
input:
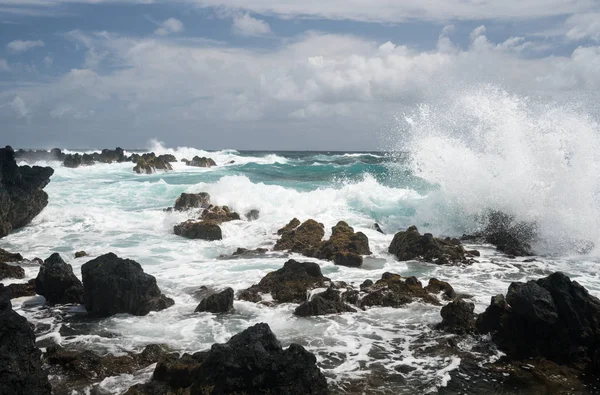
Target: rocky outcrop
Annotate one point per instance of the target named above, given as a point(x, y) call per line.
point(411, 245)
point(204, 230)
point(328, 302)
point(201, 162)
point(219, 214)
point(75, 160)
point(148, 163)
point(11, 271)
point(458, 317)
point(251, 362)
point(20, 366)
point(344, 247)
point(221, 302)
point(21, 290)
point(21, 192)
point(509, 236)
point(189, 201)
point(290, 284)
point(57, 283)
point(303, 238)
point(394, 291)
point(436, 286)
point(31, 156)
point(80, 254)
point(553, 317)
point(113, 285)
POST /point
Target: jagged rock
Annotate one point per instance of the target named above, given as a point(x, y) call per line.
point(289, 284)
point(113, 285)
point(192, 200)
point(252, 215)
point(21, 191)
point(458, 317)
point(508, 236)
point(328, 302)
point(344, 240)
point(251, 362)
point(221, 302)
point(378, 228)
point(20, 367)
point(148, 163)
point(304, 238)
point(80, 254)
point(553, 317)
point(6, 256)
point(20, 290)
point(350, 259)
point(11, 271)
point(31, 156)
point(75, 160)
point(411, 245)
point(436, 286)
point(219, 214)
point(392, 291)
point(167, 158)
point(201, 162)
point(204, 230)
point(57, 283)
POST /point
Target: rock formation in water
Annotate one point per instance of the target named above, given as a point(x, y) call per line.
point(220, 302)
point(57, 283)
point(21, 191)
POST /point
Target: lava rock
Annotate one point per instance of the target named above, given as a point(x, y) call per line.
point(394, 291)
point(20, 290)
point(318, 305)
point(80, 254)
point(20, 366)
point(113, 285)
point(11, 271)
point(204, 230)
point(219, 214)
point(344, 240)
point(189, 201)
point(458, 317)
point(411, 245)
point(221, 302)
point(290, 284)
point(201, 162)
point(303, 238)
point(350, 259)
point(57, 283)
point(436, 286)
point(510, 237)
point(148, 163)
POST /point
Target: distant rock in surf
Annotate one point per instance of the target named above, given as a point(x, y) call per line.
point(303, 238)
point(31, 156)
point(200, 162)
point(219, 214)
point(20, 366)
point(80, 254)
point(392, 290)
point(252, 215)
point(148, 163)
point(188, 201)
point(21, 192)
point(203, 230)
point(251, 362)
point(411, 245)
point(220, 302)
point(57, 283)
point(113, 285)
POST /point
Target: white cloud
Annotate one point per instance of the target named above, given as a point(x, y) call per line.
point(169, 26)
point(583, 26)
point(48, 61)
point(20, 107)
point(245, 25)
point(24, 45)
point(4, 65)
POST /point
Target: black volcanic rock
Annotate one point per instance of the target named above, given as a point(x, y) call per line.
point(20, 366)
point(204, 230)
point(458, 317)
point(411, 245)
point(221, 302)
point(21, 194)
point(319, 305)
point(57, 283)
point(201, 162)
point(192, 200)
point(113, 285)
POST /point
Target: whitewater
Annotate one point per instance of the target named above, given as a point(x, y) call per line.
point(448, 164)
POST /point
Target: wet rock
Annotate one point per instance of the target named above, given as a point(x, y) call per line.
point(289, 284)
point(328, 302)
point(167, 158)
point(148, 163)
point(411, 245)
point(201, 162)
point(113, 285)
point(32, 156)
point(11, 271)
point(20, 367)
point(75, 160)
point(252, 215)
point(80, 254)
point(219, 214)
point(509, 236)
point(221, 302)
point(20, 290)
point(436, 286)
point(378, 228)
point(57, 283)
point(303, 238)
point(458, 317)
point(343, 239)
point(350, 259)
point(6, 256)
point(394, 291)
point(251, 362)
point(553, 317)
point(246, 252)
point(204, 230)
point(189, 201)
point(21, 191)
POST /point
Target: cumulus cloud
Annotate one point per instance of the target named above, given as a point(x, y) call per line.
point(583, 26)
point(245, 25)
point(24, 45)
point(169, 26)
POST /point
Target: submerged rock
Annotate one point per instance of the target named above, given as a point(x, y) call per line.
point(204, 230)
point(328, 302)
point(289, 284)
point(394, 291)
point(436, 286)
point(303, 238)
point(458, 317)
point(221, 302)
point(411, 245)
point(189, 201)
point(57, 283)
point(219, 214)
point(20, 366)
point(251, 362)
point(113, 285)
point(21, 191)
point(252, 215)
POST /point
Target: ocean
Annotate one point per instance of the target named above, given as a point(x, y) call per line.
point(442, 171)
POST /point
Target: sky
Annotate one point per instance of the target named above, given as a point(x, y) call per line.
point(266, 74)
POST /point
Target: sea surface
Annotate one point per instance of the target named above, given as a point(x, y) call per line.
point(539, 164)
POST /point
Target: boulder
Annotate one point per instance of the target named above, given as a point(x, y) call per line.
point(112, 285)
point(204, 230)
point(6, 256)
point(11, 271)
point(57, 283)
point(189, 201)
point(344, 239)
point(411, 245)
point(148, 163)
point(21, 290)
point(21, 192)
point(251, 362)
point(201, 162)
point(290, 284)
point(221, 302)
point(510, 237)
point(350, 259)
point(436, 286)
point(394, 291)
point(304, 238)
point(328, 302)
point(20, 366)
point(458, 317)
point(553, 317)
point(219, 214)
point(80, 254)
